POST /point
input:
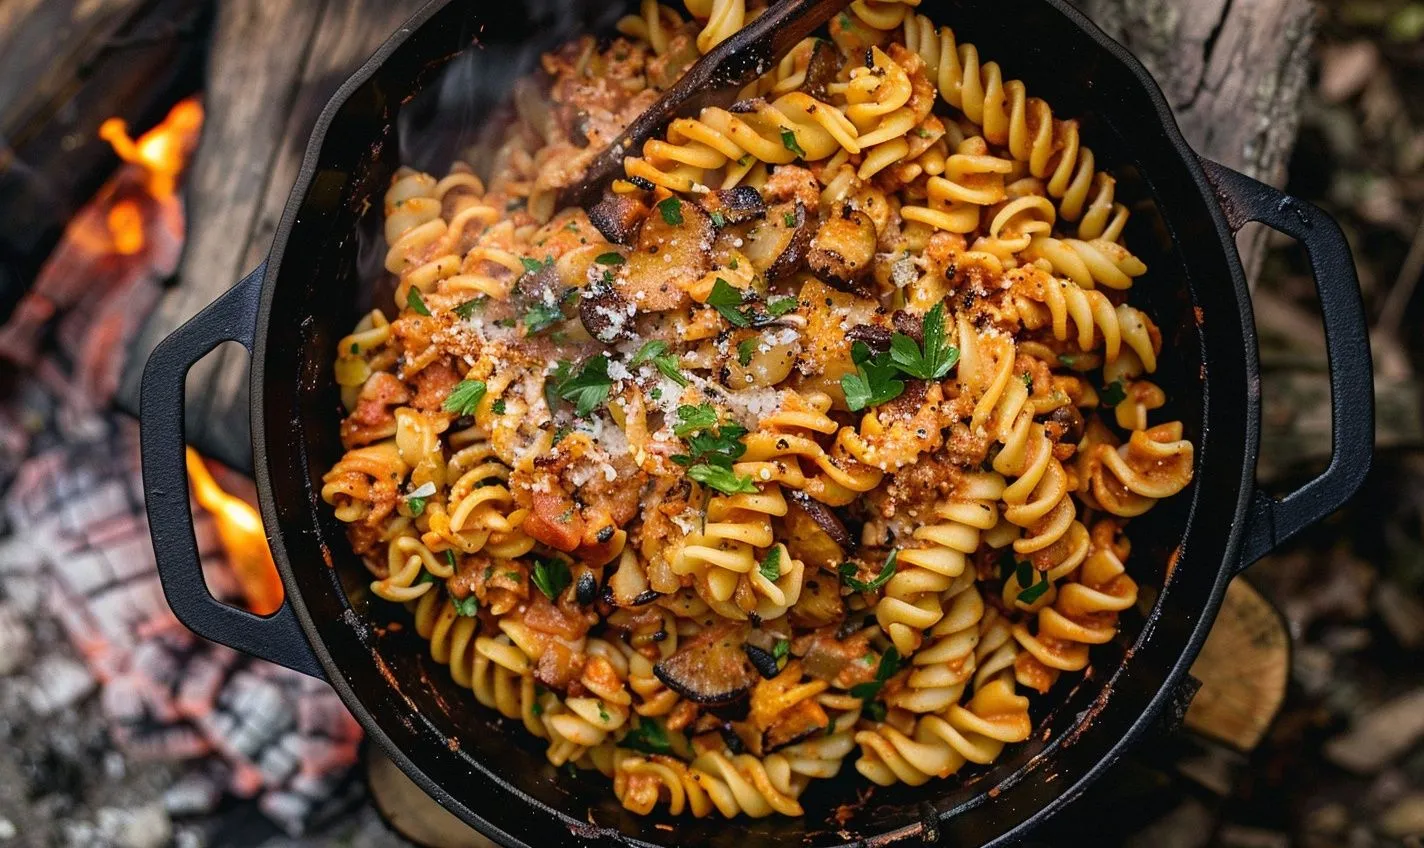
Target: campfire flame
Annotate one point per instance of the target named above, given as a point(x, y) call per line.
point(244, 540)
point(161, 154)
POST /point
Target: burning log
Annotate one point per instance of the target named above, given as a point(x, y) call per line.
point(66, 66)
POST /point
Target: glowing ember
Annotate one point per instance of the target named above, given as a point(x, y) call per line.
point(126, 227)
point(240, 529)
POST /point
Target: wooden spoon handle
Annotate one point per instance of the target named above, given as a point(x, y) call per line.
point(712, 80)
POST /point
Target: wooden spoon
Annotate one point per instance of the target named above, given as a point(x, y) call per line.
point(713, 80)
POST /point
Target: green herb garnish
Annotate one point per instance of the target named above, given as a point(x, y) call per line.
point(1113, 393)
point(416, 302)
point(498, 407)
point(469, 607)
point(848, 571)
point(588, 388)
point(874, 381)
point(770, 567)
point(541, 316)
point(467, 309)
point(694, 418)
point(1036, 591)
point(723, 479)
point(649, 737)
point(788, 219)
point(745, 348)
point(788, 141)
point(534, 266)
point(609, 258)
point(671, 209)
point(465, 397)
point(778, 307)
point(656, 352)
point(718, 219)
point(727, 299)
point(889, 664)
point(355, 349)
point(932, 361)
point(551, 576)
point(781, 650)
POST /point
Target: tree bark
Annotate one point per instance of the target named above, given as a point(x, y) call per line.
point(1233, 71)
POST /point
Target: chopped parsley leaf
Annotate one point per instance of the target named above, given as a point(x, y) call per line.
point(848, 571)
point(355, 349)
point(694, 418)
point(874, 381)
point(498, 407)
point(788, 141)
point(745, 348)
point(718, 219)
point(551, 576)
point(782, 649)
point(469, 607)
point(656, 352)
point(467, 309)
point(609, 258)
point(788, 219)
point(726, 299)
point(671, 210)
point(770, 567)
point(463, 399)
point(779, 306)
point(416, 302)
point(935, 359)
point(587, 389)
point(1113, 393)
point(649, 737)
point(541, 316)
point(724, 480)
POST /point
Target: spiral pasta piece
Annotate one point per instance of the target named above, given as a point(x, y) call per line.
point(1024, 125)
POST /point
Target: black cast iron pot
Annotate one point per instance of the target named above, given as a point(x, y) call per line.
point(291, 311)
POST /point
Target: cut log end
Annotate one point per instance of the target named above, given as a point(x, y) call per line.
point(1244, 668)
point(412, 813)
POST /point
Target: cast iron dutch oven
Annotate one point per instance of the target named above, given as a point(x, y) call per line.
point(291, 311)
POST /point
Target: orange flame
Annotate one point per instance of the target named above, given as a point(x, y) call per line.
point(244, 540)
point(126, 227)
point(163, 151)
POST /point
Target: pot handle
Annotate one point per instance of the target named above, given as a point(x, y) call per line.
point(1270, 522)
point(278, 637)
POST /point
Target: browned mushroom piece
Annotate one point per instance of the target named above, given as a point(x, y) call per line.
point(674, 246)
point(617, 216)
point(843, 246)
point(777, 245)
point(734, 205)
point(813, 533)
point(606, 314)
point(802, 721)
point(822, 68)
point(820, 603)
point(711, 668)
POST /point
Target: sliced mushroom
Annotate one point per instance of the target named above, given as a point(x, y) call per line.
point(668, 253)
point(875, 337)
point(802, 721)
point(826, 540)
point(540, 287)
point(606, 314)
point(822, 68)
point(777, 246)
point(1069, 423)
point(711, 668)
point(617, 216)
point(820, 603)
point(734, 205)
point(843, 246)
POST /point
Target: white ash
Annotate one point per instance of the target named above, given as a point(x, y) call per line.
point(58, 683)
point(15, 641)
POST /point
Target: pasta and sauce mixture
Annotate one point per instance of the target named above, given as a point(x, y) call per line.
point(815, 440)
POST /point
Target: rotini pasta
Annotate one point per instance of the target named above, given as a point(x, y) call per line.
point(786, 452)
